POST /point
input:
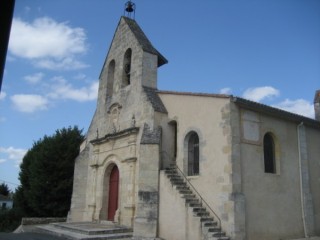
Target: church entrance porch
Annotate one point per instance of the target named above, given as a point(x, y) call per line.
point(113, 174)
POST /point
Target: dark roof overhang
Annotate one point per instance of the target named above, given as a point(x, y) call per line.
point(275, 112)
point(144, 41)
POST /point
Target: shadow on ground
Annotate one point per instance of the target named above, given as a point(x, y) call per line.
point(27, 236)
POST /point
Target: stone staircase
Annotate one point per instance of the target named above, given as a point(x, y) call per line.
point(87, 231)
point(211, 229)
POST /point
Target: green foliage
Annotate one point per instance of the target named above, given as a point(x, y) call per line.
point(46, 175)
point(4, 189)
point(9, 220)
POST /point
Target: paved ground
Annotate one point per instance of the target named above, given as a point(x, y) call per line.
point(27, 236)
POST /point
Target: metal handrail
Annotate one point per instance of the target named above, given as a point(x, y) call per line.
point(195, 190)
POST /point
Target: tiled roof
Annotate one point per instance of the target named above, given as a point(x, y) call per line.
point(150, 136)
point(276, 112)
point(195, 94)
point(255, 106)
point(144, 41)
point(155, 100)
point(317, 97)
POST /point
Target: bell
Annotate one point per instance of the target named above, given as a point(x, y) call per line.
point(129, 7)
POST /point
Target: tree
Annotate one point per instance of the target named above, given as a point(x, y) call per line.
point(4, 189)
point(46, 174)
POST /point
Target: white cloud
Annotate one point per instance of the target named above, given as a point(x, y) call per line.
point(225, 91)
point(2, 95)
point(48, 43)
point(59, 89)
point(80, 76)
point(29, 103)
point(299, 106)
point(2, 160)
point(35, 78)
point(260, 93)
point(64, 90)
point(68, 63)
point(13, 154)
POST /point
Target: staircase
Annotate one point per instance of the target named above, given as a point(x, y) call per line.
point(211, 225)
point(87, 231)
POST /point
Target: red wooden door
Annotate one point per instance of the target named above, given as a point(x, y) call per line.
point(113, 193)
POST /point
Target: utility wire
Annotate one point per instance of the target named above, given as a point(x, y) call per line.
point(8, 182)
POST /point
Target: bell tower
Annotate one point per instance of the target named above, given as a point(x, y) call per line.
point(132, 61)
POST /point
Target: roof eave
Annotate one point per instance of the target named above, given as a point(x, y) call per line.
point(275, 112)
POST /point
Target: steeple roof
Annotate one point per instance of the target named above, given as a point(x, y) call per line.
point(317, 97)
point(144, 41)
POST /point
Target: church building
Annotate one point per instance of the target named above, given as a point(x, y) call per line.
point(192, 166)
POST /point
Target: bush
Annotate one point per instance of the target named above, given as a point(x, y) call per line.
point(9, 220)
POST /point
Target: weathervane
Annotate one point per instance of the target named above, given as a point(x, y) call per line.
point(130, 9)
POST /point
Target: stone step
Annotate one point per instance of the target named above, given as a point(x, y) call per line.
point(214, 229)
point(176, 179)
point(210, 224)
point(92, 228)
point(192, 200)
point(68, 234)
point(182, 187)
point(171, 168)
point(195, 204)
point(185, 191)
point(189, 196)
point(221, 238)
point(202, 214)
point(178, 182)
point(219, 234)
point(172, 175)
point(199, 209)
point(206, 219)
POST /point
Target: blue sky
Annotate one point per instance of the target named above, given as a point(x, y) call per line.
point(264, 50)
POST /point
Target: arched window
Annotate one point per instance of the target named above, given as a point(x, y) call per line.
point(127, 68)
point(110, 78)
point(193, 154)
point(269, 153)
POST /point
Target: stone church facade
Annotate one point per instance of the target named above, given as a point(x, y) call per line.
point(177, 165)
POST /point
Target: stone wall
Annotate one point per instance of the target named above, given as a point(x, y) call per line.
point(273, 200)
point(36, 221)
point(208, 116)
point(176, 219)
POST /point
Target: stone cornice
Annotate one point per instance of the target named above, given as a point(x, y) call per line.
point(116, 135)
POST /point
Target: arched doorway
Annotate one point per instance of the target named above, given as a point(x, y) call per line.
point(113, 193)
